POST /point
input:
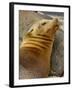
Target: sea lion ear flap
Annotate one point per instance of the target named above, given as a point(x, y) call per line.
point(55, 20)
point(28, 34)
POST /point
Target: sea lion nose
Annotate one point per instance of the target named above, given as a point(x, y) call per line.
point(56, 19)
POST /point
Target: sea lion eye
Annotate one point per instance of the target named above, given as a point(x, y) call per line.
point(43, 23)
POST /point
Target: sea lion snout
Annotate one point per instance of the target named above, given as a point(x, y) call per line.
point(51, 27)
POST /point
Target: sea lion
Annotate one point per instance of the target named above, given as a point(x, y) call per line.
point(36, 47)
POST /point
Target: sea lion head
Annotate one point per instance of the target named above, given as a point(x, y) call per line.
point(45, 27)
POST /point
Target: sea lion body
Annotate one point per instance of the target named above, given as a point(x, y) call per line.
point(36, 47)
